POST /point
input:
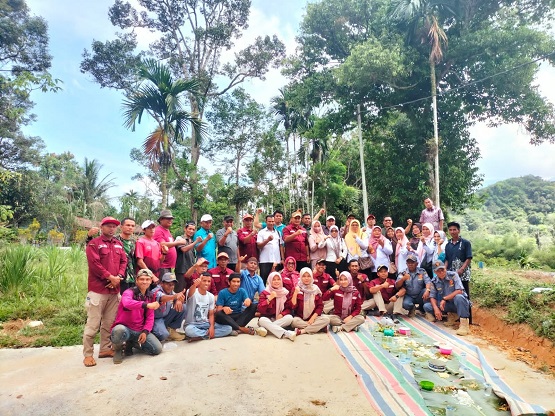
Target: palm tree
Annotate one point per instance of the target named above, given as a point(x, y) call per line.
point(163, 99)
point(92, 189)
point(422, 19)
point(294, 119)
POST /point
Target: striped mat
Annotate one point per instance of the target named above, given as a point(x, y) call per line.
point(390, 386)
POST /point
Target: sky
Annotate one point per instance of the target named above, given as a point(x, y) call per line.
point(86, 120)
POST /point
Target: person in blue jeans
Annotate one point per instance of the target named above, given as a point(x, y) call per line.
point(199, 319)
point(171, 313)
point(135, 319)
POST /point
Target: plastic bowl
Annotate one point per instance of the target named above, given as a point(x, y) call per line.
point(436, 365)
point(404, 330)
point(427, 385)
point(446, 349)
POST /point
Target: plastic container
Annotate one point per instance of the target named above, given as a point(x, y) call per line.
point(446, 349)
point(403, 330)
point(427, 385)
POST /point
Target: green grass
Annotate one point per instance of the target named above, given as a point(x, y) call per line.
point(512, 291)
point(48, 285)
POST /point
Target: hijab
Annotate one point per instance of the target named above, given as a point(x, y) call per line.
point(318, 237)
point(293, 275)
point(336, 242)
point(415, 237)
point(350, 239)
point(400, 244)
point(347, 305)
point(310, 292)
point(375, 241)
point(430, 238)
point(281, 292)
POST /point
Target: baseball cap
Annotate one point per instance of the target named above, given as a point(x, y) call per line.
point(109, 220)
point(145, 272)
point(439, 265)
point(147, 224)
point(247, 216)
point(320, 261)
point(206, 217)
point(412, 257)
point(169, 277)
point(382, 266)
point(223, 254)
point(371, 216)
point(330, 217)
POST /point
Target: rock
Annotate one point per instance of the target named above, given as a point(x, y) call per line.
point(35, 324)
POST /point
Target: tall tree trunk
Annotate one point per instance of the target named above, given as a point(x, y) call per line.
point(435, 147)
point(164, 187)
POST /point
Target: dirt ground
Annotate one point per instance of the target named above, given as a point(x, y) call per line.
point(232, 376)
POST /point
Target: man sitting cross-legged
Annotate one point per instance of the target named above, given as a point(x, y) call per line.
point(171, 313)
point(229, 306)
point(199, 321)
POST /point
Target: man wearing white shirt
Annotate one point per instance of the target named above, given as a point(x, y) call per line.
point(270, 246)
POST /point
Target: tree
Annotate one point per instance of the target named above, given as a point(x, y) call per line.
point(192, 37)
point(92, 189)
point(423, 22)
point(162, 98)
point(237, 124)
point(351, 54)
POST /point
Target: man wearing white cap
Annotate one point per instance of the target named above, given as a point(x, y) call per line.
point(330, 221)
point(207, 247)
point(148, 251)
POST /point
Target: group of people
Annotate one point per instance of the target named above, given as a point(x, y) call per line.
point(299, 278)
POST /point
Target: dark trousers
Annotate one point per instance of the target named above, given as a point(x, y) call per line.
point(331, 268)
point(466, 285)
point(236, 320)
point(265, 269)
point(301, 264)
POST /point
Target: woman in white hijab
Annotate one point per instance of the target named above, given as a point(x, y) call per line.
point(308, 305)
point(273, 308)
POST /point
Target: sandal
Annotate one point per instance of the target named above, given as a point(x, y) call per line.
point(89, 362)
point(106, 354)
point(251, 331)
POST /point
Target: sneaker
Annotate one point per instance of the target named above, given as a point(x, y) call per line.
point(175, 336)
point(234, 333)
point(336, 328)
point(290, 335)
point(261, 331)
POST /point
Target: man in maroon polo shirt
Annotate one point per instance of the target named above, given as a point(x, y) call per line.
point(163, 235)
point(296, 241)
point(324, 281)
point(247, 238)
point(220, 274)
point(107, 262)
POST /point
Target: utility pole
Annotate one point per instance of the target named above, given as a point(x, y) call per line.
point(362, 168)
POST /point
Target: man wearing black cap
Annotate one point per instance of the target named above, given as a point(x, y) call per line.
point(171, 313)
point(324, 281)
point(163, 235)
point(107, 262)
point(417, 284)
point(448, 295)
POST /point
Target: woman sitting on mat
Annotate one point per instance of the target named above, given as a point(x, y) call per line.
point(274, 315)
point(308, 305)
point(347, 304)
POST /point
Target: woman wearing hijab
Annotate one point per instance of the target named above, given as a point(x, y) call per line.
point(402, 250)
point(274, 314)
point(416, 234)
point(426, 248)
point(289, 274)
point(316, 237)
point(379, 248)
point(357, 248)
point(440, 241)
point(346, 304)
point(308, 305)
point(336, 251)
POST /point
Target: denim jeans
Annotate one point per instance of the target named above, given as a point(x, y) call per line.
point(121, 334)
point(460, 305)
point(200, 330)
point(173, 320)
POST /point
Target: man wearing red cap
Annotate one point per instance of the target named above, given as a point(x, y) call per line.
point(107, 262)
point(296, 241)
point(247, 238)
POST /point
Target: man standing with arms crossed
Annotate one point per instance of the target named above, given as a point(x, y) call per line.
point(107, 262)
point(271, 249)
